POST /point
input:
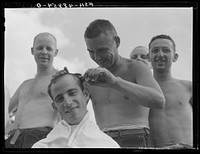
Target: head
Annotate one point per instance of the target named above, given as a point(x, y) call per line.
point(69, 96)
point(102, 42)
point(140, 53)
point(162, 52)
point(44, 49)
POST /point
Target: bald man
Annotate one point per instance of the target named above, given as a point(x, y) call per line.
point(35, 116)
point(140, 53)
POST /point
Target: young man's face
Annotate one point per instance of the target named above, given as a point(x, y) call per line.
point(102, 49)
point(44, 50)
point(69, 99)
point(162, 54)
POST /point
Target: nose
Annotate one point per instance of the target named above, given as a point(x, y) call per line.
point(44, 50)
point(97, 57)
point(139, 58)
point(67, 101)
point(160, 53)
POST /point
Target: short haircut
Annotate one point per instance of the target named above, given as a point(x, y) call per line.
point(62, 73)
point(138, 47)
point(98, 27)
point(47, 33)
point(163, 36)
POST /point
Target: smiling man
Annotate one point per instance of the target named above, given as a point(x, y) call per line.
point(122, 90)
point(35, 116)
point(172, 126)
point(76, 130)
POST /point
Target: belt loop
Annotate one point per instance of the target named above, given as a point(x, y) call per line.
point(146, 130)
point(120, 133)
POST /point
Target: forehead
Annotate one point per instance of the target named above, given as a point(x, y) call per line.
point(44, 38)
point(141, 50)
point(66, 82)
point(161, 43)
point(101, 40)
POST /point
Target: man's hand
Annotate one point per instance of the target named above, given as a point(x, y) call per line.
point(99, 77)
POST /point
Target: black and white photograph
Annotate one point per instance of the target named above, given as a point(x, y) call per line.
point(81, 76)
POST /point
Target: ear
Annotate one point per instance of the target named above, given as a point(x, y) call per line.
point(148, 57)
point(53, 105)
point(56, 53)
point(32, 51)
point(86, 94)
point(175, 57)
point(117, 40)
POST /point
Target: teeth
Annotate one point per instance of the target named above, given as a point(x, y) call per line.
point(71, 110)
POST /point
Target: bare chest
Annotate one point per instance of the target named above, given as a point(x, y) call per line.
point(107, 96)
point(176, 96)
point(35, 89)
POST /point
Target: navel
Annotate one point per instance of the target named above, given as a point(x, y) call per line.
point(126, 97)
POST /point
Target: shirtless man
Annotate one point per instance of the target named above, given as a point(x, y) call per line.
point(140, 53)
point(173, 124)
point(35, 116)
point(122, 90)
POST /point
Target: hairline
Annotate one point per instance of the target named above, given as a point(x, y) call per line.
point(60, 77)
point(44, 33)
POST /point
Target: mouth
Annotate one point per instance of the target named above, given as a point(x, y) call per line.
point(43, 58)
point(72, 109)
point(103, 62)
point(160, 61)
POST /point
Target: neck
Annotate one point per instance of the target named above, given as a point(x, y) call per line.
point(116, 64)
point(162, 76)
point(42, 71)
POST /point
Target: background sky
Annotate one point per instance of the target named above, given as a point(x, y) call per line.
point(135, 26)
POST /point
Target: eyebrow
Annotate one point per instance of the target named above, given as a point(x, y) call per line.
point(68, 91)
point(100, 49)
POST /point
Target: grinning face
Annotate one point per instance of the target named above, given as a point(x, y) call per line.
point(69, 99)
point(44, 49)
point(162, 54)
point(102, 49)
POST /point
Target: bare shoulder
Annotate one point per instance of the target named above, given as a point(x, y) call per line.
point(28, 81)
point(187, 84)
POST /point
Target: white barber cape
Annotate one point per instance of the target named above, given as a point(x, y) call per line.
point(85, 135)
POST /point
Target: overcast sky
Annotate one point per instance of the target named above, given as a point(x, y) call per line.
point(135, 26)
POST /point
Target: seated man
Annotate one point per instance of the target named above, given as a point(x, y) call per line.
point(70, 98)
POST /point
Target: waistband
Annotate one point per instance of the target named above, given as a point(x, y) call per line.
point(123, 127)
point(21, 130)
point(124, 132)
point(174, 145)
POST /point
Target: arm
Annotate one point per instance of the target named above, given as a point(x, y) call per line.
point(14, 101)
point(189, 87)
point(146, 92)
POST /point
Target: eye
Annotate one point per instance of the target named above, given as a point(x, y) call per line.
point(39, 48)
point(59, 99)
point(49, 49)
point(155, 50)
point(166, 50)
point(134, 57)
point(72, 93)
point(143, 56)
